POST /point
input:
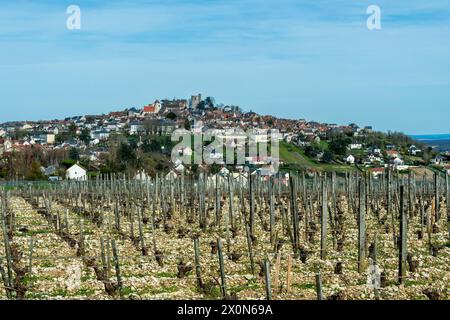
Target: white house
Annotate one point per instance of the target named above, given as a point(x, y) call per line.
point(224, 172)
point(26, 126)
point(180, 168)
point(76, 172)
point(373, 158)
point(7, 146)
point(172, 175)
point(376, 150)
point(142, 176)
point(355, 146)
point(398, 162)
point(288, 137)
point(100, 135)
point(350, 159)
point(152, 108)
point(439, 160)
point(413, 150)
point(136, 127)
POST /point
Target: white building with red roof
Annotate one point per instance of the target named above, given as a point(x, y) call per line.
point(154, 108)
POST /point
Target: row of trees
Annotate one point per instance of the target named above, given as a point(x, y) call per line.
point(125, 154)
point(26, 164)
point(128, 153)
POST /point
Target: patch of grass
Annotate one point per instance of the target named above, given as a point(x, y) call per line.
point(171, 289)
point(126, 291)
point(34, 295)
point(291, 154)
point(156, 291)
point(248, 286)
point(85, 278)
point(85, 292)
point(213, 292)
point(47, 264)
point(324, 145)
point(29, 279)
point(295, 159)
point(304, 286)
point(60, 292)
point(410, 283)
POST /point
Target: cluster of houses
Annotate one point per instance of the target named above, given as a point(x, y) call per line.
point(376, 160)
point(162, 117)
point(159, 117)
point(374, 156)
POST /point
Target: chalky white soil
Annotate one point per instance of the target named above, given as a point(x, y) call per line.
point(57, 273)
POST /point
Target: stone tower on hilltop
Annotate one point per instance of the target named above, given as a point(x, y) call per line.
point(195, 101)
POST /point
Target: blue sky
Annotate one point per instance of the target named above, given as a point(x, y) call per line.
point(308, 59)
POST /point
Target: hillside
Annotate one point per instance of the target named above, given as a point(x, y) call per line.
point(133, 139)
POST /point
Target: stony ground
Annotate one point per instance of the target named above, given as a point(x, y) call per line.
point(58, 273)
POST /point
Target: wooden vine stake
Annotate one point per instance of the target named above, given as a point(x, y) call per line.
point(141, 233)
point(30, 255)
point(289, 274)
point(7, 251)
point(319, 286)
point(198, 273)
point(389, 205)
point(403, 250)
point(376, 290)
point(117, 267)
point(252, 205)
point(324, 214)
point(103, 256)
point(447, 203)
point(436, 198)
point(250, 248)
point(272, 212)
point(222, 269)
point(276, 279)
point(267, 279)
point(5, 279)
point(294, 214)
point(362, 229)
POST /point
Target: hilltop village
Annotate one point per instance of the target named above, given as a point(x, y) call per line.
point(137, 142)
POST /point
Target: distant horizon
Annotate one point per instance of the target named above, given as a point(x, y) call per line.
point(431, 137)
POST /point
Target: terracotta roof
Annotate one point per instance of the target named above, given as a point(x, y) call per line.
point(392, 152)
point(149, 109)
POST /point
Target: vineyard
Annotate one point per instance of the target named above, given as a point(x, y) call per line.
point(308, 236)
